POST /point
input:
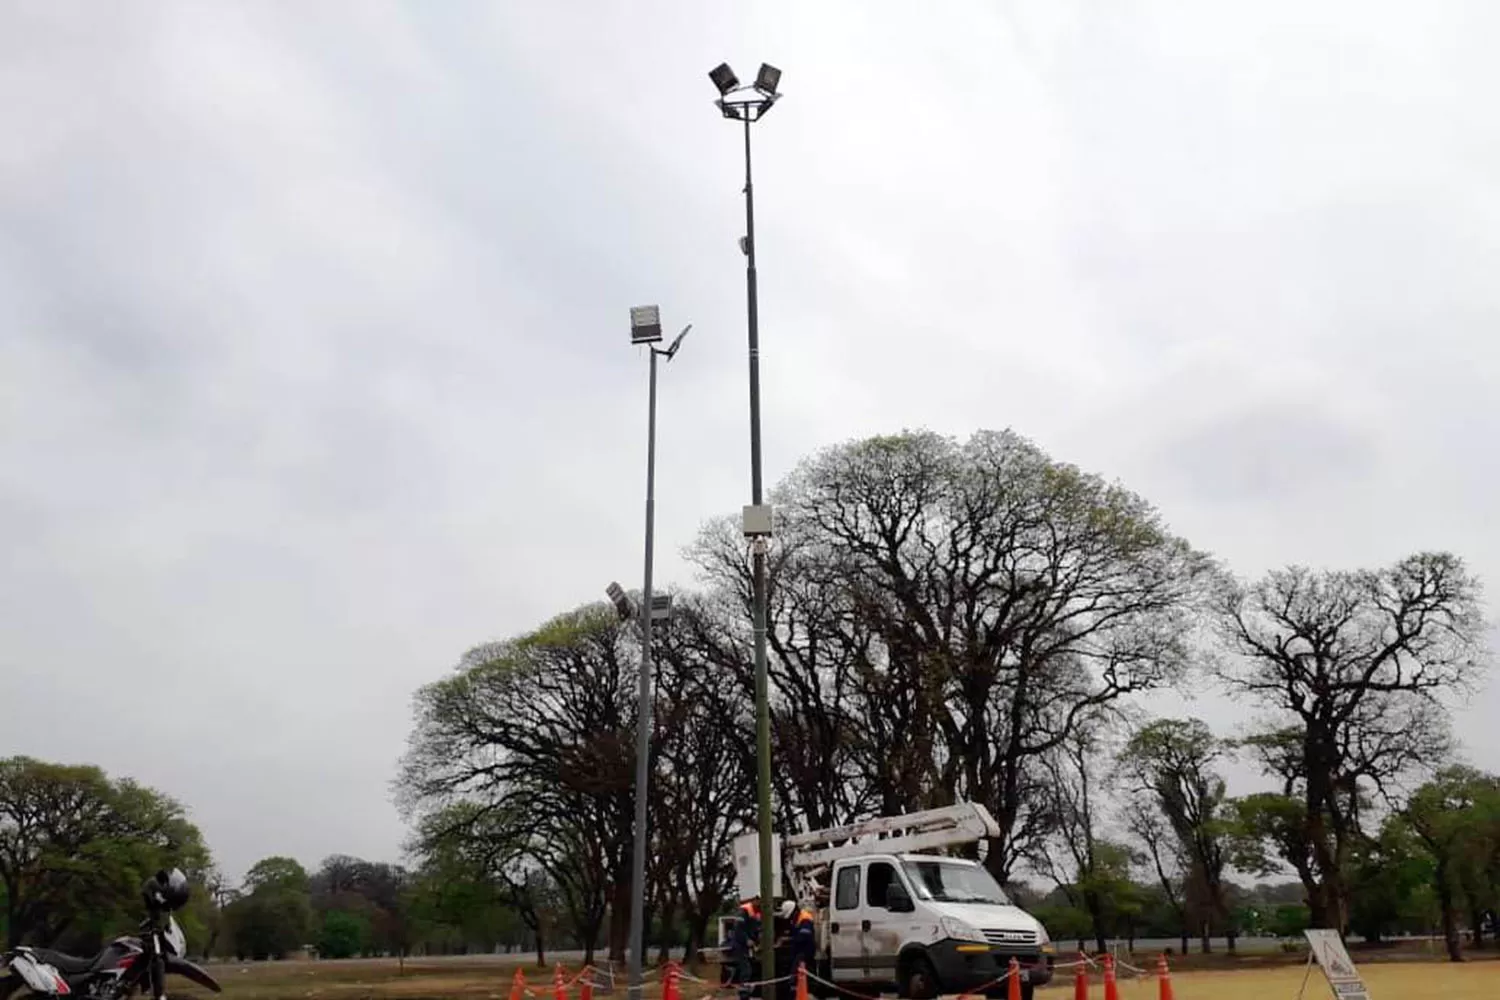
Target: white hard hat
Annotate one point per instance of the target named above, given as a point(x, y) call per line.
point(787, 908)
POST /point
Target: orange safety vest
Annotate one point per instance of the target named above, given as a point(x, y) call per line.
point(803, 917)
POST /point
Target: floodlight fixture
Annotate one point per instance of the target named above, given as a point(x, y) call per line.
point(723, 77)
point(621, 601)
point(767, 79)
point(645, 324)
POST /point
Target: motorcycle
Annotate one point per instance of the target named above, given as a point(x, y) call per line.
point(125, 965)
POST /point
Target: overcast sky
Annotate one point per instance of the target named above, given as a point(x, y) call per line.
point(314, 361)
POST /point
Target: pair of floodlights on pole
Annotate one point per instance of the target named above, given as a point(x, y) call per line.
point(645, 329)
point(748, 105)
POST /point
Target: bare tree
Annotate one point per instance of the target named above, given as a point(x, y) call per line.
point(1352, 665)
point(703, 776)
point(818, 652)
point(1173, 760)
point(1162, 851)
point(1010, 596)
point(1092, 871)
point(541, 730)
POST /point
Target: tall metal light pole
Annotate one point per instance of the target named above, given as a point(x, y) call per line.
point(749, 105)
point(645, 328)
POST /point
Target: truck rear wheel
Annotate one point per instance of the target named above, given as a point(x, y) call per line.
point(918, 979)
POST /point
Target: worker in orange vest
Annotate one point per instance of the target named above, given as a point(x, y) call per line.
point(744, 943)
point(796, 944)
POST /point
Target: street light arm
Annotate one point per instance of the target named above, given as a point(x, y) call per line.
point(671, 350)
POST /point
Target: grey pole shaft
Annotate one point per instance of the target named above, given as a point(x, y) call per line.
point(758, 570)
point(645, 717)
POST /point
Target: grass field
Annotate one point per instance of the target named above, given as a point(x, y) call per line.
point(441, 979)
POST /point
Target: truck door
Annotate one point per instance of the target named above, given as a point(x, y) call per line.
point(845, 937)
point(883, 930)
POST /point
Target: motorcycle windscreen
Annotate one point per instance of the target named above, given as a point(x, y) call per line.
point(39, 976)
point(175, 940)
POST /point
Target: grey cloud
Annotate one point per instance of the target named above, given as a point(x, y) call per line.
point(1281, 451)
point(312, 369)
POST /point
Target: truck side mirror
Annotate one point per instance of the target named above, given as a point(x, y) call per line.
point(897, 899)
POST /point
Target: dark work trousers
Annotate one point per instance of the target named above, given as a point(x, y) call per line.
point(785, 970)
point(742, 971)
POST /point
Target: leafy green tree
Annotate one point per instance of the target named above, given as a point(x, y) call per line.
point(1456, 818)
point(374, 892)
point(343, 935)
point(1290, 920)
point(75, 848)
point(273, 917)
point(277, 873)
point(1388, 875)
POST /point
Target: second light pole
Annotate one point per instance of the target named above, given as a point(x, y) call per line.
point(748, 105)
point(645, 328)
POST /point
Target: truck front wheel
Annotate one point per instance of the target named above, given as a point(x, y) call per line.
point(918, 979)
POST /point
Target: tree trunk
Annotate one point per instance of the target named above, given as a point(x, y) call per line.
point(541, 951)
point(1319, 913)
point(697, 938)
point(668, 929)
point(1451, 937)
point(619, 921)
point(1184, 936)
point(1095, 909)
point(1205, 938)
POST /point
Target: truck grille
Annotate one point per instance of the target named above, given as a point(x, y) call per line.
point(1010, 937)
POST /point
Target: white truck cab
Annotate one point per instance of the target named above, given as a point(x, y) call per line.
point(897, 918)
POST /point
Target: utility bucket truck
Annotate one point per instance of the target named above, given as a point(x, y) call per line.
point(894, 915)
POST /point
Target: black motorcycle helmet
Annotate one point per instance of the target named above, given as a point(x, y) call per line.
point(166, 891)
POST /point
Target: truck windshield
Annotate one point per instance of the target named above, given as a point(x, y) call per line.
point(946, 882)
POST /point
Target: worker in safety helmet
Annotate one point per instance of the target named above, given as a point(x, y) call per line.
point(744, 943)
point(800, 934)
point(800, 937)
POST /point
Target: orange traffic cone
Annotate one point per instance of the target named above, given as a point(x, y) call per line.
point(801, 981)
point(1081, 980)
point(559, 984)
point(518, 986)
point(1013, 980)
point(586, 983)
point(669, 987)
point(1163, 978)
point(1111, 988)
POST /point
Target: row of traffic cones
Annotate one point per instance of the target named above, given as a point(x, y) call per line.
point(559, 985)
point(671, 984)
point(1111, 986)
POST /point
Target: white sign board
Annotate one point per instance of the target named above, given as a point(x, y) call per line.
point(747, 865)
point(1338, 968)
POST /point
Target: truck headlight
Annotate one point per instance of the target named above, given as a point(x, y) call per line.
point(960, 931)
